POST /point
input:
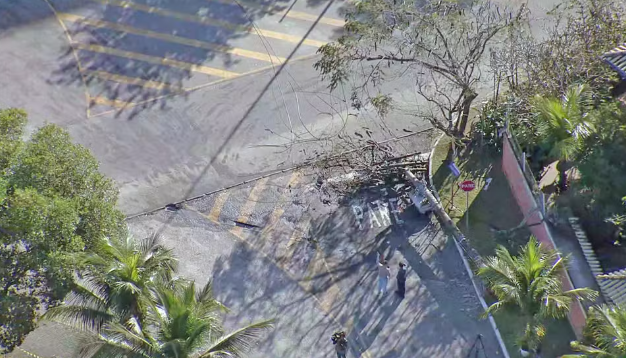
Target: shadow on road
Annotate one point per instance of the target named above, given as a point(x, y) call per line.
point(188, 34)
point(439, 315)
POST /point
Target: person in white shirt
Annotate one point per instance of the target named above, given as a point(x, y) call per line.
point(383, 276)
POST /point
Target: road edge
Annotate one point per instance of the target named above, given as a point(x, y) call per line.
point(470, 273)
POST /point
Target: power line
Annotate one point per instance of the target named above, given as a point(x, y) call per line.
point(252, 106)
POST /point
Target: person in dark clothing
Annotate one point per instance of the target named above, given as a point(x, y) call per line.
point(341, 344)
point(401, 278)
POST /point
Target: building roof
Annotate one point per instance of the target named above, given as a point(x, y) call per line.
point(616, 58)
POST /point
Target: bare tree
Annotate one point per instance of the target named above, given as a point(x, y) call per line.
point(440, 43)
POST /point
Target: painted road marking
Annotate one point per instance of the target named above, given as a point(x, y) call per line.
point(109, 102)
point(172, 38)
point(284, 253)
point(318, 266)
point(291, 14)
point(212, 22)
point(249, 205)
point(312, 18)
point(205, 85)
point(214, 214)
point(156, 60)
point(280, 210)
point(134, 81)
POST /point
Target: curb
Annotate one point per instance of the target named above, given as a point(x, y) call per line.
point(469, 270)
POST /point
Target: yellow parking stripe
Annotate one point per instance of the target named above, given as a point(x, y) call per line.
point(171, 38)
point(291, 14)
point(212, 22)
point(280, 210)
point(214, 214)
point(312, 18)
point(285, 37)
point(133, 81)
point(156, 60)
point(110, 102)
point(248, 207)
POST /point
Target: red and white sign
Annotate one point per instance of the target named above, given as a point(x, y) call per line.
point(467, 185)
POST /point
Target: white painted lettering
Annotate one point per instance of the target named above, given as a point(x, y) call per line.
point(373, 217)
point(393, 202)
point(383, 211)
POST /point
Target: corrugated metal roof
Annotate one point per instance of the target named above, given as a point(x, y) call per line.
point(616, 58)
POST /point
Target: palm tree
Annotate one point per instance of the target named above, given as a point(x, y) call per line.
point(605, 334)
point(183, 323)
point(115, 283)
point(563, 124)
point(531, 283)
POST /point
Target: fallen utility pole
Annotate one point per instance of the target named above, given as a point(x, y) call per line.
point(437, 207)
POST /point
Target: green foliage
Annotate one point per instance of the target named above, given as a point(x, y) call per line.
point(115, 283)
point(128, 301)
point(605, 334)
point(184, 322)
point(53, 202)
point(531, 283)
point(50, 163)
point(12, 123)
point(563, 123)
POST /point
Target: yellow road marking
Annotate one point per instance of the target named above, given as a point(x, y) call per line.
point(133, 81)
point(291, 14)
point(285, 37)
point(214, 214)
point(248, 207)
point(172, 38)
point(212, 22)
point(317, 266)
point(156, 60)
point(285, 252)
point(110, 102)
point(312, 18)
point(279, 210)
point(198, 87)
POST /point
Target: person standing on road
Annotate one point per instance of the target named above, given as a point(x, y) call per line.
point(341, 344)
point(383, 276)
point(401, 278)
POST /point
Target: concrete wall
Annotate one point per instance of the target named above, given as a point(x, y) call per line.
point(528, 206)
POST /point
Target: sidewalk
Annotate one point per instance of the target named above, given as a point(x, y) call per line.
point(439, 316)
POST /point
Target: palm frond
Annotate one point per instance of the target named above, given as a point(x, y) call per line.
point(80, 317)
point(236, 344)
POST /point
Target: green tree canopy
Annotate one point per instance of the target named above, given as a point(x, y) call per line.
point(114, 283)
point(126, 298)
point(183, 322)
point(53, 202)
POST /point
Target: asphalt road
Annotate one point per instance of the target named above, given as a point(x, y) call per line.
point(308, 258)
point(283, 248)
point(153, 88)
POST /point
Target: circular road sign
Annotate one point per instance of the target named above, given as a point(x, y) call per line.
point(467, 185)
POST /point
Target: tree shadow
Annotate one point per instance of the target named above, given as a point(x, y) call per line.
point(138, 57)
point(440, 312)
